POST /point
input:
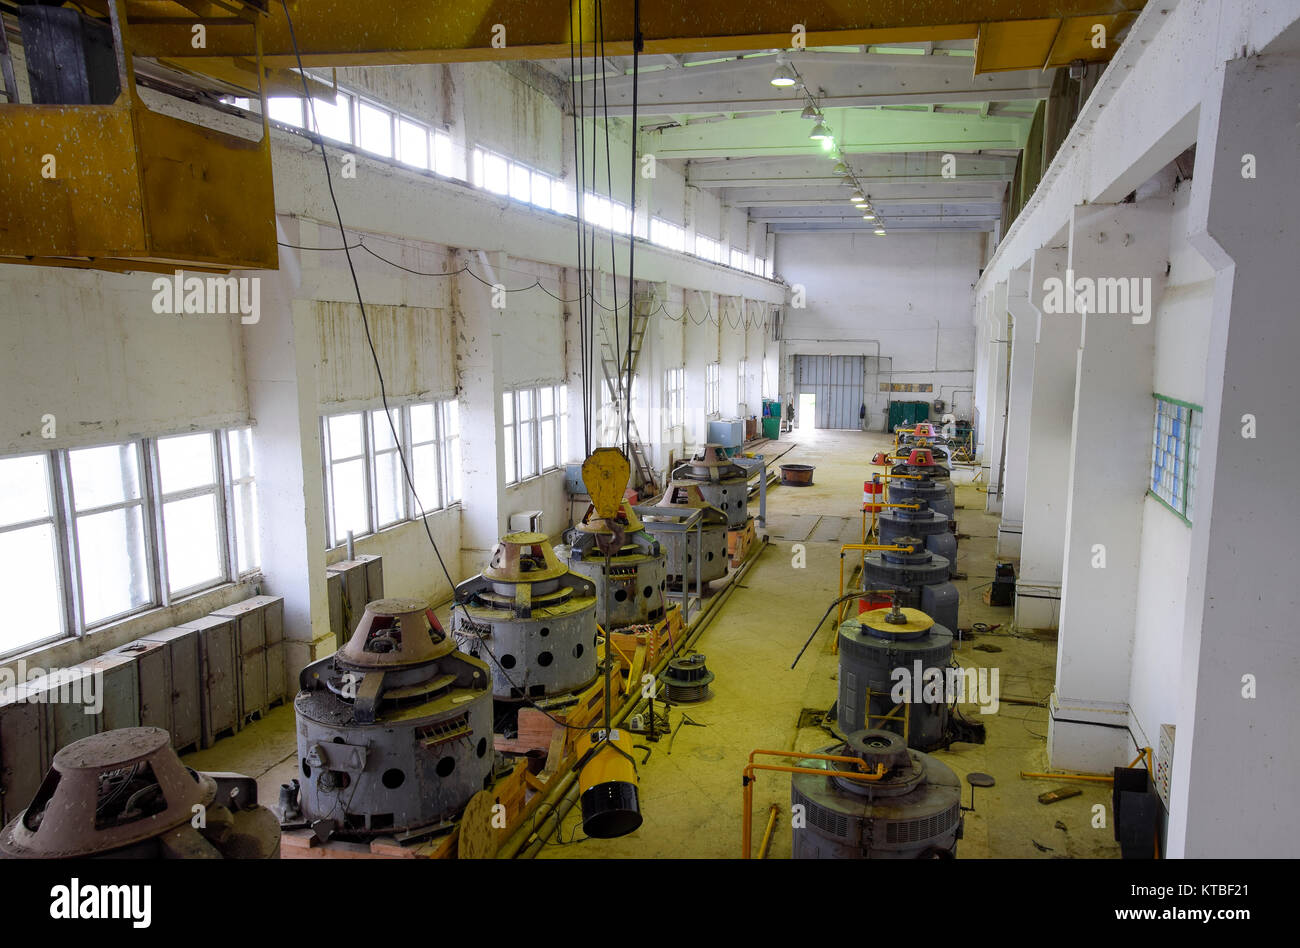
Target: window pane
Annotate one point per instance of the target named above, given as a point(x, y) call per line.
point(351, 512)
point(107, 475)
point(24, 489)
point(496, 173)
point(422, 429)
point(114, 568)
point(382, 432)
point(561, 200)
point(476, 167)
point(451, 418)
point(546, 401)
point(451, 457)
point(248, 553)
point(334, 119)
point(508, 407)
point(193, 542)
point(424, 460)
point(527, 449)
point(562, 406)
point(345, 436)
point(526, 404)
point(390, 489)
point(240, 441)
point(541, 190)
point(521, 179)
point(185, 462)
point(286, 109)
point(413, 143)
point(548, 444)
point(376, 130)
point(442, 154)
point(29, 560)
point(508, 437)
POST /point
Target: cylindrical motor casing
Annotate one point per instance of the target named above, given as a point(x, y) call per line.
point(921, 580)
point(535, 657)
point(930, 525)
point(870, 659)
point(722, 483)
point(408, 769)
point(635, 590)
point(731, 497)
point(680, 548)
point(938, 495)
point(914, 813)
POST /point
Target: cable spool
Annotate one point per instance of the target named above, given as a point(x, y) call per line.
point(687, 680)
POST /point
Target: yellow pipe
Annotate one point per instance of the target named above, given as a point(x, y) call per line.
point(747, 793)
point(772, 814)
point(1144, 755)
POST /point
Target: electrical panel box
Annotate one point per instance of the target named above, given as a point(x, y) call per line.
point(25, 751)
point(250, 645)
point(729, 433)
point(1165, 763)
point(574, 485)
point(219, 699)
point(527, 521)
point(361, 581)
point(184, 686)
point(117, 683)
point(153, 681)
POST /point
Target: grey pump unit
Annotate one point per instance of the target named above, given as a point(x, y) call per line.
point(531, 619)
point(630, 588)
point(934, 486)
point(929, 525)
point(920, 578)
point(394, 729)
point(680, 499)
point(912, 812)
point(124, 794)
point(723, 483)
point(879, 648)
point(686, 680)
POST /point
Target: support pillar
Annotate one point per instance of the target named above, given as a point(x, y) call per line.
point(1023, 329)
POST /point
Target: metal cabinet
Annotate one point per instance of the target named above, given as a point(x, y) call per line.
point(117, 684)
point(351, 585)
point(25, 751)
point(153, 681)
point(219, 699)
point(259, 626)
point(183, 686)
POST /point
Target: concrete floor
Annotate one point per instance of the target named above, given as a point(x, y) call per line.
point(691, 796)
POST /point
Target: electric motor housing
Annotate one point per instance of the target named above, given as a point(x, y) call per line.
point(683, 498)
point(531, 619)
point(912, 812)
point(873, 651)
point(631, 589)
point(394, 729)
point(930, 525)
point(920, 579)
point(722, 482)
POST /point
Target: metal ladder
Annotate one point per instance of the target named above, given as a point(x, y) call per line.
point(615, 361)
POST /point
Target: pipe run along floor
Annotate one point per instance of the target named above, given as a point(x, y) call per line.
point(691, 796)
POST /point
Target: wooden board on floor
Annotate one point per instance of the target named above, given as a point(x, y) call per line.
point(478, 837)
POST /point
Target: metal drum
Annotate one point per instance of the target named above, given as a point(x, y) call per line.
point(681, 499)
point(395, 728)
point(722, 482)
point(912, 812)
point(630, 587)
point(929, 525)
point(934, 487)
point(894, 648)
point(531, 619)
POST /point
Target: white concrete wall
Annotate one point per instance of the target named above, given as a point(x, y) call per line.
point(908, 293)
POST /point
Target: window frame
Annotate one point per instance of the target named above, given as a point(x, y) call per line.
point(713, 389)
point(511, 428)
point(65, 571)
point(217, 490)
point(1186, 451)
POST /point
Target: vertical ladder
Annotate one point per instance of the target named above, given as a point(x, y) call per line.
point(617, 363)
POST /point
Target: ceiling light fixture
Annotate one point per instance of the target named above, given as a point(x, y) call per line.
point(857, 197)
point(879, 232)
point(809, 113)
point(841, 168)
point(821, 133)
point(785, 76)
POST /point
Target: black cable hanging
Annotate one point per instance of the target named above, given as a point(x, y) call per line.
point(637, 43)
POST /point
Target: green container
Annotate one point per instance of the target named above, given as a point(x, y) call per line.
point(907, 414)
point(772, 427)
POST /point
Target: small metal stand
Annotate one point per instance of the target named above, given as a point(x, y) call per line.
point(977, 779)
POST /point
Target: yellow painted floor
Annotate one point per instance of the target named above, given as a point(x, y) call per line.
point(691, 796)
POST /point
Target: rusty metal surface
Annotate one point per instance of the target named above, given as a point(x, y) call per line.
point(524, 558)
point(396, 633)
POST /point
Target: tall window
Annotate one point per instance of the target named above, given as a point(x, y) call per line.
point(92, 535)
point(742, 383)
point(708, 248)
point(675, 398)
point(1176, 441)
point(667, 234)
point(30, 553)
point(534, 430)
point(502, 175)
point(738, 259)
point(713, 388)
point(365, 486)
point(193, 525)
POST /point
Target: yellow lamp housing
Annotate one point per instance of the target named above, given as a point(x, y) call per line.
point(607, 782)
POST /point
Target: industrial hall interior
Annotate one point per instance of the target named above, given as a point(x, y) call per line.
point(643, 429)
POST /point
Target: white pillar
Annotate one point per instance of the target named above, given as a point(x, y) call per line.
point(1110, 463)
point(1024, 327)
point(996, 399)
point(1237, 752)
point(1042, 542)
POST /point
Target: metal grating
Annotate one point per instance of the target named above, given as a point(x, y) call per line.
point(915, 831)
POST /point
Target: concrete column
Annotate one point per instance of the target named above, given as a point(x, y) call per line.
point(996, 399)
point(1024, 328)
point(980, 383)
point(1110, 460)
point(1051, 407)
point(1237, 748)
point(280, 353)
point(478, 373)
